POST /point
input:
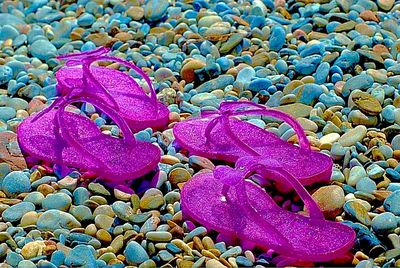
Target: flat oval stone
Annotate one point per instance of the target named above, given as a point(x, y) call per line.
point(159, 236)
point(366, 103)
point(15, 212)
point(135, 254)
point(353, 136)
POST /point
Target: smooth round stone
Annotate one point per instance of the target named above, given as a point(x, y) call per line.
point(207, 21)
point(15, 183)
point(205, 99)
point(15, 212)
point(396, 142)
point(52, 220)
point(86, 19)
point(152, 202)
point(384, 223)
point(135, 254)
point(329, 139)
point(123, 210)
point(7, 113)
point(392, 203)
point(155, 9)
point(59, 201)
point(6, 74)
point(81, 256)
point(179, 175)
point(81, 213)
point(136, 13)
point(43, 49)
point(163, 74)
point(34, 197)
point(26, 264)
point(385, 4)
point(159, 236)
point(330, 199)
point(103, 221)
point(29, 218)
point(366, 185)
point(353, 136)
point(356, 174)
point(80, 195)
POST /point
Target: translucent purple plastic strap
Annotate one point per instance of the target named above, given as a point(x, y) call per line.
point(236, 108)
point(246, 166)
point(89, 57)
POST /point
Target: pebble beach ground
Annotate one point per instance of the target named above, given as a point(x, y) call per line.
point(334, 65)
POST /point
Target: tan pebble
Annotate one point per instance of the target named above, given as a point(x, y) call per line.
point(330, 199)
point(91, 229)
point(169, 159)
point(45, 189)
point(29, 218)
point(208, 243)
point(212, 263)
point(103, 236)
point(392, 162)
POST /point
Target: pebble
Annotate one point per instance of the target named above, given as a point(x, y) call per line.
point(384, 223)
point(330, 199)
point(15, 183)
point(358, 211)
point(135, 254)
point(6, 74)
point(52, 220)
point(59, 201)
point(43, 49)
point(352, 136)
point(15, 212)
point(391, 203)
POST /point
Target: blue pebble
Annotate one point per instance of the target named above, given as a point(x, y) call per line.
point(307, 65)
point(14, 258)
point(366, 185)
point(15, 183)
point(322, 72)
point(392, 203)
point(43, 49)
point(135, 254)
point(8, 32)
point(81, 255)
point(281, 66)
point(277, 38)
point(259, 84)
point(6, 74)
point(86, 19)
point(384, 223)
point(80, 195)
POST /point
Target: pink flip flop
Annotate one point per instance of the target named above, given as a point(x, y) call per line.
point(220, 135)
point(118, 89)
point(224, 201)
point(66, 138)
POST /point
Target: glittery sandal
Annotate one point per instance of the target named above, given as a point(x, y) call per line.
point(226, 202)
point(61, 136)
point(221, 135)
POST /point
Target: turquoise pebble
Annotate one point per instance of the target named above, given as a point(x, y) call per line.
point(392, 203)
point(15, 183)
point(15, 212)
point(43, 49)
point(366, 185)
point(384, 223)
point(7, 113)
point(81, 255)
point(6, 74)
point(135, 254)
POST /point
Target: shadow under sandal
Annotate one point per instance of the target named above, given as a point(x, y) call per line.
point(59, 136)
point(224, 201)
point(220, 135)
point(118, 89)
